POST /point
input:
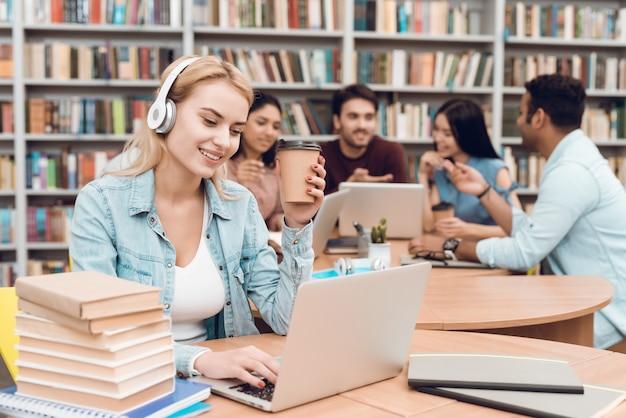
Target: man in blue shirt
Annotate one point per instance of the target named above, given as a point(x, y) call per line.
point(578, 223)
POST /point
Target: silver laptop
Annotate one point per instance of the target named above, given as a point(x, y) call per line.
point(401, 204)
point(345, 332)
point(326, 219)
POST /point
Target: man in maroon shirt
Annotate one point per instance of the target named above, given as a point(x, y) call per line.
point(359, 155)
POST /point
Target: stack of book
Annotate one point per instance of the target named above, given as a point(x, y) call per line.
point(92, 340)
point(527, 385)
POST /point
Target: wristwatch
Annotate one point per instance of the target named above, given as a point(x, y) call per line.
point(449, 247)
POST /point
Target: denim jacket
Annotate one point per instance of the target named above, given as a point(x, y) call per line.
point(116, 231)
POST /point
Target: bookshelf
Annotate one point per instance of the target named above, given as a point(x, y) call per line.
point(327, 43)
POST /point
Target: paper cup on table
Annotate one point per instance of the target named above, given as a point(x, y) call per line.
point(442, 210)
point(296, 158)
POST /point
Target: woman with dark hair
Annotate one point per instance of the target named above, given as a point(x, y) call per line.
point(254, 165)
point(460, 134)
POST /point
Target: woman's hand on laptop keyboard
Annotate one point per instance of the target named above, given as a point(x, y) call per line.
point(239, 363)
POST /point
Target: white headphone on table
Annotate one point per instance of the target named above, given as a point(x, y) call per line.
point(162, 113)
point(344, 266)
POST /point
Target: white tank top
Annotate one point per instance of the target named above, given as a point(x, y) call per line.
point(198, 294)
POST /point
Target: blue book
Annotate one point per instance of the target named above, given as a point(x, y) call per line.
point(186, 394)
point(192, 410)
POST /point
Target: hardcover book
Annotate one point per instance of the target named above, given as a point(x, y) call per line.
point(596, 401)
point(94, 325)
point(87, 294)
point(106, 369)
point(120, 352)
point(82, 396)
point(492, 371)
point(27, 324)
point(118, 386)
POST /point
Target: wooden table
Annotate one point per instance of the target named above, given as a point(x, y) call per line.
point(399, 248)
point(393, 397)
point(558, 308)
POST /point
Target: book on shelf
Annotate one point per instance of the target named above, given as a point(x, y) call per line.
point(492, 371)
point(321, 110)
point(32, 324)
point(94, 325)
point(117, 353)
point(595, 402)
point(186, 394)
point(87, 294)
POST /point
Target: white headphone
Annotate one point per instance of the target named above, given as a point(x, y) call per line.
point(162, 113)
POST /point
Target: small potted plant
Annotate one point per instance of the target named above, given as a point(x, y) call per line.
point(379, 232)
point(379, 247)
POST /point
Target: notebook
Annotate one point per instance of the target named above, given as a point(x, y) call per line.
point(493, 371)
point(412, 259)
point(595, 402)
point(334, 346)
point(186, 393)
point(401, 204)
point(326, 219)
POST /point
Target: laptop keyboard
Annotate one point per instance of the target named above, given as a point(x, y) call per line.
point(265, 393)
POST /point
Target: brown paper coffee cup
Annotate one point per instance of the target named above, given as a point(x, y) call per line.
point(442, 210)
point(296, 159)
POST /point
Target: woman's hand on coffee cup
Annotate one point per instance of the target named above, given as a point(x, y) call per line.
point(297, 215)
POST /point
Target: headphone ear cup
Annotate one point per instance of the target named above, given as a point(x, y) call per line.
point(170, 118)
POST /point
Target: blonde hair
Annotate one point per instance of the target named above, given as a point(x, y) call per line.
point(147, 147)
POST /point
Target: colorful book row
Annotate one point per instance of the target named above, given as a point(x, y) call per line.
point(48, 223)
point(37, 267)
point(419, 17)
point(309, 66)
point(597, 72)
point(64, 61)
point(277, 14)
point(606, 122)
point(116, 12)
point(86, 115)
point(64, 170)
point(308, 117)
point(429, 69)
point(564, 21)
